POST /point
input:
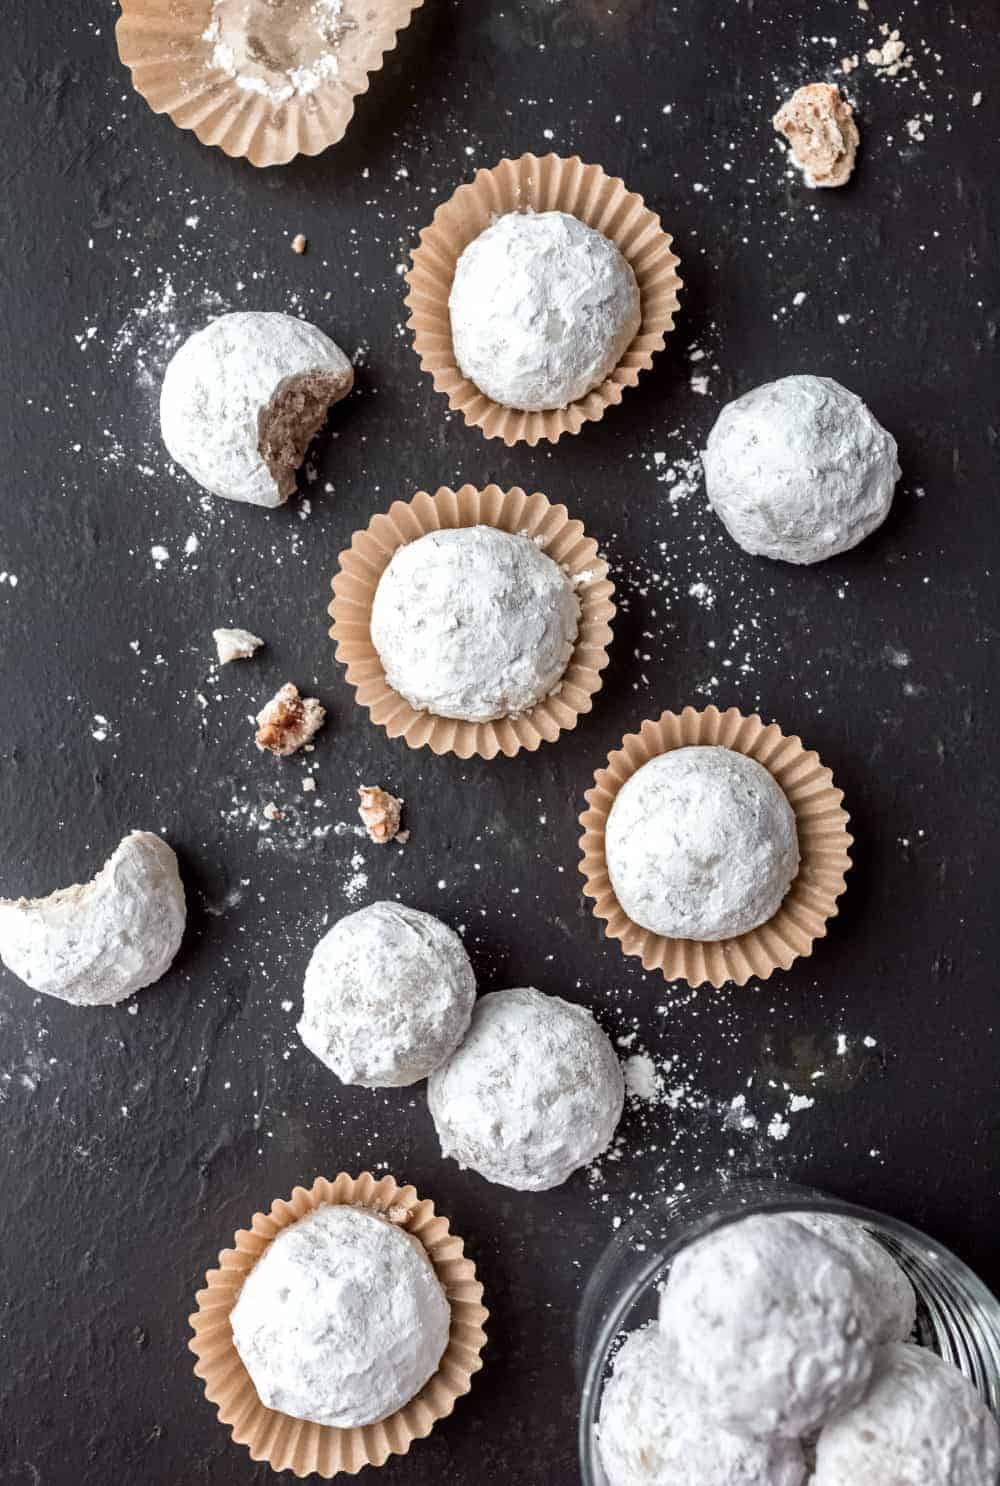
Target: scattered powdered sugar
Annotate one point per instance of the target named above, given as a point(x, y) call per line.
point(681, 476)
point(154, 327)
point(354, 885)
point(642, 1081)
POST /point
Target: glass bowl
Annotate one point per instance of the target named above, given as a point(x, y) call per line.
point(956, 1315)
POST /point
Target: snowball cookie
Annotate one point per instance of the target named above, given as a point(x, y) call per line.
point(799, 469)
point(388, 996)
point(243, 399)
point(95, 943)
point(342, 1319)
point(921, 1423)
point(701, 844)
point(653, 1430)
point(891, 1301)
point(474, 623)
point(533, 1092)
point(771, 1324)
point(542, 309)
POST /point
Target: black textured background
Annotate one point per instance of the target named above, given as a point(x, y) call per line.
point(134, 1141)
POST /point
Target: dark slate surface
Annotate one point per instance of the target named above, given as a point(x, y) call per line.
point(134, 1141)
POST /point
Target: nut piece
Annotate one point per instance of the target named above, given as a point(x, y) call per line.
point(288, 721)
point(299, 243)
point(93, 944)
point(235, 644)
point(820, 129)
point(379, 812)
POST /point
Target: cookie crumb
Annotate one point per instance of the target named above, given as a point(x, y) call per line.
point(235, 644)
point(271, 811)
point(822, 135)
point(891, 57)
point(309, 784)
point(379, 813)
point(299, 243)
point(288, 721)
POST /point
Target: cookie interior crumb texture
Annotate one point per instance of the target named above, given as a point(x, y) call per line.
point(823, 137)
point(474, 623)
point(293, 418)
point(288, 721)
point(342, 1320)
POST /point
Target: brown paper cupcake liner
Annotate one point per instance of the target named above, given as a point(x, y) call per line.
point(539, 184)
point(564, 540)
point(164, 45)
point(297, 1445)
point(824, 845)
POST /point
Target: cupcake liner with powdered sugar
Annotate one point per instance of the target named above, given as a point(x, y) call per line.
point(561, 538)
point(823, 840)
point(306, 1448)
point(258, 82)
point(546, 184)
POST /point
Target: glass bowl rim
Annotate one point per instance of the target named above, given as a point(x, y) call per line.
point(788, 1197)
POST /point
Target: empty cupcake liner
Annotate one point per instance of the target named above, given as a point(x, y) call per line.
point(539, 184)
point(172, 51)
point(824, 845)
point(297, 1445)
point(565, 541)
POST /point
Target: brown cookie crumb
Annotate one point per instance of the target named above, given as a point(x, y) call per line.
point(299, 243)
point(379, 813)
point(288, 721)
point(821, 132)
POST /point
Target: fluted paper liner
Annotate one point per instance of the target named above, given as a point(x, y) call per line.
point(824, 845)
point(163, 44)
point(566, 543)
point(544, 184)
point(297, 1445)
